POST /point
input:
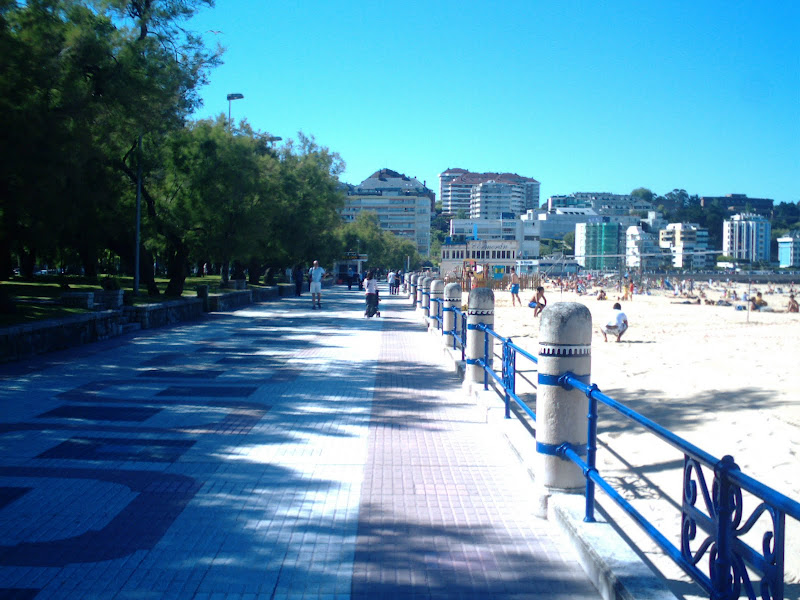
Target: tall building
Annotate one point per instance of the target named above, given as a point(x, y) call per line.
point(642, 250)
point(687, 244)
point(746, 237)
point(455, 188)
point(599, 245)
point(789, 250)
point(526, 233)
point(492, 200)
point(402, 203)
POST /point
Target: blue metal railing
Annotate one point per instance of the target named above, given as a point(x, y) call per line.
point(730, 558)
point(439, 314)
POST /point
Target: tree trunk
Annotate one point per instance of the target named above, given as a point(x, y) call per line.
point(27, 263)
point(176, 269)
point(255, 271)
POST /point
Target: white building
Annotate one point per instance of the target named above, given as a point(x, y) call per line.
point(498, 256)
point(642, 250)
point(493, 199)
point(746, 237)
point(403, 205)
point(525, 233)
point(687, 244)
point(455, 189)
point(789, 250)
point(555, 224)
point(602, 203)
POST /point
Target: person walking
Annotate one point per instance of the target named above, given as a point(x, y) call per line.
point(371, 295)
point(315, 274)
point(297, 275)
point(390, 279)
point(515, 288)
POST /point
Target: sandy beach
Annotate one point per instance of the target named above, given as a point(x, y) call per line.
point(725, 380)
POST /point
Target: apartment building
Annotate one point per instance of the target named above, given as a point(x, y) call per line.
point(498, 256)
point(402, 203)
point(740, 203)
point(600, 245)
point(525, 233)
point(746, 237)
point(642, 250)
point(455, 189)
point(687, 244)
point(602, 203)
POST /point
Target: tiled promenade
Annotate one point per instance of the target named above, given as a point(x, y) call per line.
point(272, 453)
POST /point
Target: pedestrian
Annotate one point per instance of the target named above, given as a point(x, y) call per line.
point(297, 275)
point(617, 323)
point(538, 302)
point(350, 276)
point(315, 274)
point(515, 288)
point(390, 279)
point(371, 295)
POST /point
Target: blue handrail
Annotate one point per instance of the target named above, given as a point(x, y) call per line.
point(729, 557)
point(508, 375)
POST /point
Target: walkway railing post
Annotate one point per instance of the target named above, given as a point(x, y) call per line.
point(425, 298)
point(437, 292)
point(413, 288)
point(565, 338)
point(480, 309)
point(452, 299)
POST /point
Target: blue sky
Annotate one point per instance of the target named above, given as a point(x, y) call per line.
point(583, 96)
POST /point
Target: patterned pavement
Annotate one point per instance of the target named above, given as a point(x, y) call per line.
point(271, 453)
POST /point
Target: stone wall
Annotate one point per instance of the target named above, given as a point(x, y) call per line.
point(23, 341)
point(164, 313)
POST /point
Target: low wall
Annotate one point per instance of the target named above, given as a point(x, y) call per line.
point(24, 341)
point(164, 313)
point(229, 301)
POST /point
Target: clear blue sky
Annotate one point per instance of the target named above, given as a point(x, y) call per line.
point(583, 96)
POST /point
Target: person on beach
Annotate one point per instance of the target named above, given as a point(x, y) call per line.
point(793, 306)
point(617, 323)
point(515, 288)
point(538, 302)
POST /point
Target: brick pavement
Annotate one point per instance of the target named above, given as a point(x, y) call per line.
point(273, 453)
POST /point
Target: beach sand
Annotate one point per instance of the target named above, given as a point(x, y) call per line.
point(724, 380)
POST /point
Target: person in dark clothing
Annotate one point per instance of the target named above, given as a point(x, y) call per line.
point(298, 275)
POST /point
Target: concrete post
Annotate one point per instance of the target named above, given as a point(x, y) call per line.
point(425, 297)
point(565, 339)
point(480, 309)
point(437, 292)
point(414, 278)
point(452, 299)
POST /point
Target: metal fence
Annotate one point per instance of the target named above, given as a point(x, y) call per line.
point(713, 523)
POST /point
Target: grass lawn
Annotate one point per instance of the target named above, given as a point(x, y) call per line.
point(37, 299)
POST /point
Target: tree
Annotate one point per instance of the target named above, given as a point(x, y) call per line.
point(643, 194)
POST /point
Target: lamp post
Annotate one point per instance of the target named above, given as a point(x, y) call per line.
point(232, 97)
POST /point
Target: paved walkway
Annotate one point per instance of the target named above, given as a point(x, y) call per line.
point(276, 453)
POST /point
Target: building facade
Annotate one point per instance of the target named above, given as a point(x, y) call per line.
point(600, 245)
point(402, 203)
point(455, 189)
point(498, 256)
point(740, 203)
point(602, 203)
point(789, 250)
point(687, 244)
point(642, 250)
point(746, 237)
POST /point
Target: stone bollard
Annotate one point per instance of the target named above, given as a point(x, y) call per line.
point(565, 341)
point(425, 298)
point(480, 309)
point(452, 299)
point(414, 280)
point(436, 293)
point(418, 299)
point(202, 293)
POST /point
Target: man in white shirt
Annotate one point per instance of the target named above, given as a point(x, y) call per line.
point(315, 274)
point(617, 323)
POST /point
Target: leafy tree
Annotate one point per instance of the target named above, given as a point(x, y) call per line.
point(643, 194)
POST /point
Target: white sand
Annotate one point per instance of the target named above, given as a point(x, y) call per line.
point(727, 381)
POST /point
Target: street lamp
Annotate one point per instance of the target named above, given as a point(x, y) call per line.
point(232, 97)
